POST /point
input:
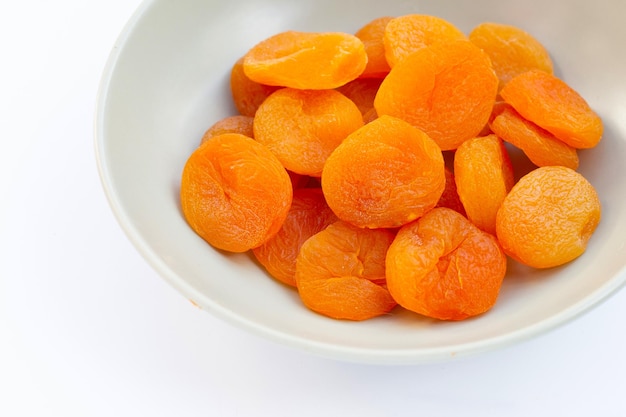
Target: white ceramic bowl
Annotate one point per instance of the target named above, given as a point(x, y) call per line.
point(167, 81)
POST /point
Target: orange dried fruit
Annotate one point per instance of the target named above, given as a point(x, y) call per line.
point(548, 217)
point(247, 94)
point(444, 267)
point(231, 124)
point(539, 145)
point(306, 60)
point(450, 197)
point(409, 33)
point(308, 215)
point(362, 92)
point(303, 127)
point(447, 90)
point(385, 174)
point(333, 173)
point(483, 176)
point(370, 115)
point(552, 104)
point(234, 192)
point(340, 272)
point(512, 50)
point(372, 34)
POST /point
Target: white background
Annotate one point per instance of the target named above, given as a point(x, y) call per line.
point(87, 328)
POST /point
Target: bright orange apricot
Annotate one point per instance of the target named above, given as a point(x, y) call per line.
point(340, 272)
point(306, 60)
point(539, 145)
point(372, 35)
point(362, 92)
point(548, 217)
point(247, 94)
point(370, 115)
point(511, 49)
point(447, 90)
point(483, 176)
point(308, 215)
point(234, 192)
point(334, 172)
point(231, 124)
point(552, 104)
point(444, 267)
point(450, 197)
point(409, 33)
point(303, 127)
point(385, 174)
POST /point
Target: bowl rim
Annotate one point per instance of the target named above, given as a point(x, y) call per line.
point(350, 354)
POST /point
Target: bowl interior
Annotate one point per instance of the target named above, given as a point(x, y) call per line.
point(167, 81)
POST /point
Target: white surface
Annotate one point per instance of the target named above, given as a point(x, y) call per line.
point(87, 328)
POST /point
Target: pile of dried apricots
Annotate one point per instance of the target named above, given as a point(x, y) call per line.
point(370, 171)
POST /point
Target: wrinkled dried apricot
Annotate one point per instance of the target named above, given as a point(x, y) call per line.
point(370, 170)
point(483, 175)
point(308, 215)
point(234, 192)
point(370, 115)
point(450, 197)
point(552, 104)
point(385, 174)
point(406, 34)
point(306, 60)
point(548, 217)
point(340, 272)
point(444, 267)
point(539, 145)
point(447, 89)
point(247, 94)
point(231, 124)
point(371, 34)
point(302, 127)
point(511, 49)
point(362, 92)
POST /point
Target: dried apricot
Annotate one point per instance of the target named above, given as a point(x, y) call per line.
point(231, 124)
point(247, 94)
point(308, 215)
point(340, 272)
point(306, 60)
point(372, 35)
point(362, 92)
point(483, 175)
point(370, 115)
point(552, 104)
point(450, 197)
point(385, 174)
point(512, 50)
point(539, 145)
point(234, 192)
point(444, 267)
point(548, 217)
point(447, 90)
point(370, 170)
point(302, 127)
point(406, 34)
